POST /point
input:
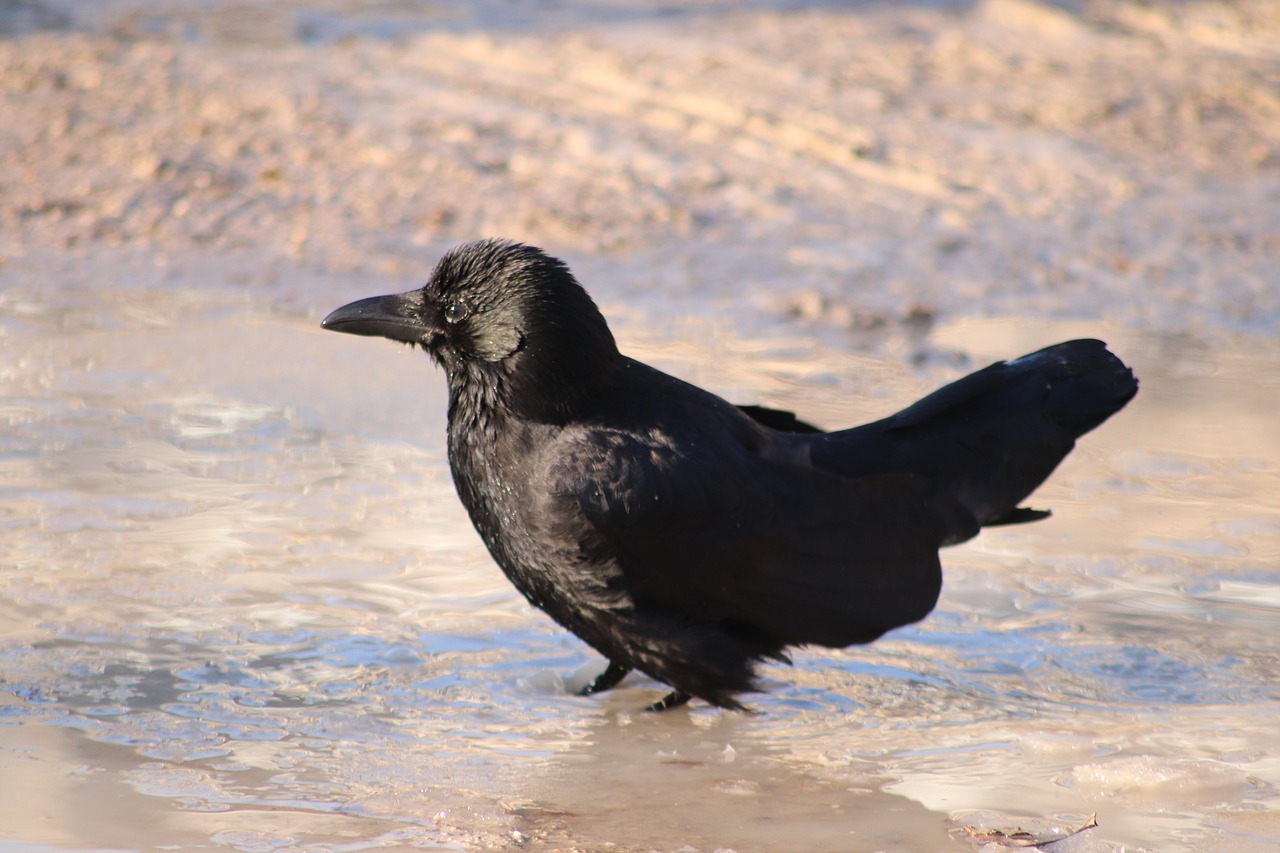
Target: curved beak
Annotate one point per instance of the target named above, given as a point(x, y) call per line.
point(397, 317)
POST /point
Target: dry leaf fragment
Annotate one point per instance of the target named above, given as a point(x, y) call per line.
point(1022, 838)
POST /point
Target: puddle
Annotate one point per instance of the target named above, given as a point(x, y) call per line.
point(240, 605)
point(243, 610)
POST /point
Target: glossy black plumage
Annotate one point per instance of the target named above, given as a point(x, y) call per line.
point(691, 539)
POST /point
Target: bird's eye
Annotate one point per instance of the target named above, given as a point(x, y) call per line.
point(454, 312)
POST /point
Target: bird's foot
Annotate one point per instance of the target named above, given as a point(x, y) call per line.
point(674, 699)
point(607, 679)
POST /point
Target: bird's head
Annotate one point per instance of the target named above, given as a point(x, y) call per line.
point(501, 315)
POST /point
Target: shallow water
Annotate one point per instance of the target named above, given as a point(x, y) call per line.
point(242, 609)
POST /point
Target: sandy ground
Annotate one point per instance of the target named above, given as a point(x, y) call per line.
point(848, 163)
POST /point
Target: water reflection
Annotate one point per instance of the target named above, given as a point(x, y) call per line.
point(255, 617)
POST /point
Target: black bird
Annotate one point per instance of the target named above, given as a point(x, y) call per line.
point(689, 538)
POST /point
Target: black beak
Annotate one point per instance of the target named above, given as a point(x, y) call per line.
point(396, 317)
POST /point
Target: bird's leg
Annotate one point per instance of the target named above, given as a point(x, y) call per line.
point(607, 679)
point(674, 699)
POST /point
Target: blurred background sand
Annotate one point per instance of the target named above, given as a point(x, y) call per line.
point(852, 161)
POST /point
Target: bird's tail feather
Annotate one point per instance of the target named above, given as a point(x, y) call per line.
point(992, 437)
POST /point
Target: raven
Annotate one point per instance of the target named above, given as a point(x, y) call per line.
point(692, 539)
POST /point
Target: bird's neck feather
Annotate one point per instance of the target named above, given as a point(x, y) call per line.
point(551, 379)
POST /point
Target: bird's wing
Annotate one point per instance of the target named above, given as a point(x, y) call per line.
point(725, 533)
point(778, 419)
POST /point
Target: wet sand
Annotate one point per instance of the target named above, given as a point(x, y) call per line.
point(241, 607)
